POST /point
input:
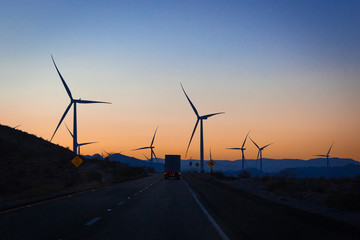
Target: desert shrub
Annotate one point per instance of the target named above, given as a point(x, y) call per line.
point(128, 172)
point(344, 201)
point(244, 174)
point(94, 175)
point(218, 174)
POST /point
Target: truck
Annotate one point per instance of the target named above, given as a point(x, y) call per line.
point(172, 166)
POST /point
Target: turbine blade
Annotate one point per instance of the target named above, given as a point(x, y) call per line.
point(62, 118)
point(154, 154)
point(146, 157)
point(254, 143)
point(210, 115)
point(329, 149)
point(69, 130)
point(62, 79)
point(320, 155)
point(153, 137)
point(192, 135)
point(258, 155)
point(192, 105)
point(82, 144)
point(140, 148)
point(245, 139)
point(234, 148)
point(266, 146)
point(90, 101)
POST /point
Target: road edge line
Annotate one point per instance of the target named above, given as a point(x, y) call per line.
point(207, 214)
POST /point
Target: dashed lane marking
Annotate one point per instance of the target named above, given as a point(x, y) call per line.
point(121, 203)
point(92, 221)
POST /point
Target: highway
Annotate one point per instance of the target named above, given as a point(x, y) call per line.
point(147, 208)
point(154, 208)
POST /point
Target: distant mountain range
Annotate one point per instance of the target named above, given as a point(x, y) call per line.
point(295, 167)
point(158, 165)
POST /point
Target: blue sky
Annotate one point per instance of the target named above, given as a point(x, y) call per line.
point(276, 67)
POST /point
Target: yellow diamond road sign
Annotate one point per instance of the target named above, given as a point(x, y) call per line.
point(197, 164)
point(211, 163)
point(77, 161)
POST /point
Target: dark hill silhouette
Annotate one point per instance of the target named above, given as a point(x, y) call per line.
point(271, 165)
point(32, 168)
point(350, 170)
point(158, 164)
point(29, 163)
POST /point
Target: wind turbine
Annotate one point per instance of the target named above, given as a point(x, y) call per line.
point(72, 101)
point(242, 152)
point(209, 161)
point(151, 149)
point(79, 144)
point(260, 153)
point(199, 119)
point(327, 156)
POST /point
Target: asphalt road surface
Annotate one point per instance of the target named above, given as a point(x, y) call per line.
point(154, 208)
point(147, 208)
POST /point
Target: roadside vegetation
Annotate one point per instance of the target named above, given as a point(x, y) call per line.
point(338, 193)
point(32, 168)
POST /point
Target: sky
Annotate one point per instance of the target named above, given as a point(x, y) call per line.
point(288, 71)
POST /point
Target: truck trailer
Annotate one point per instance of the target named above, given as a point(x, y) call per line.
point(172, 166)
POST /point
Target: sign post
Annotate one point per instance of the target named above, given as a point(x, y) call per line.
point(77, 161)
point(211, 164)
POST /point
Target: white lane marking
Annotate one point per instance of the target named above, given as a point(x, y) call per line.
point(109, 210)
point(120, 203)
point(92, 221)
point(212, 221)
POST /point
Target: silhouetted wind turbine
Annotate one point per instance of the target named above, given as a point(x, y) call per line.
point(78, 144)
point(327, 156)
point(72, 101)
point(260, 153)
point(146, 157)
point(151, 149)
point(242, 152)
point(199, 118)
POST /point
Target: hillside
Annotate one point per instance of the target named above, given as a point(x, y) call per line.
point(31, 167)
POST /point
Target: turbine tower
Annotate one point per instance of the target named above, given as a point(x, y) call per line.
point(72, 101)
point(260, 153)
point(327, 156)
point(199, 119)
point(242, 152)
point(78, 144)
point(151, 149)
